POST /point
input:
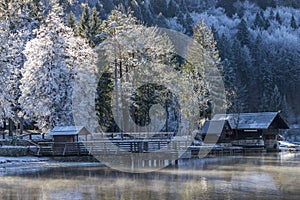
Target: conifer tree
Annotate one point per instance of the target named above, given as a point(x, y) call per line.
point(161, 20)
point(276, 99)
point(94, 28)
point(159, 6)
point(107, 5)
point(182, 6)
point(172, 9)
point(83, 26)
point(271, 16)
point(134, 5)
point(180, 18)
point(71, 21)
point(265, 103)
point(258, 23)
point(293, 23)
point(203, 35)
point(243, 33)
point(278, 18)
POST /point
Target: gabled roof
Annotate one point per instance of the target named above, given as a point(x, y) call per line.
point(69, 130)
point(261, 120)
point(213, 127)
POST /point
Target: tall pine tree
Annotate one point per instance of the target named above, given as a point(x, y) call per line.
point(83, 26)
point(94, 28)
point(243, 33)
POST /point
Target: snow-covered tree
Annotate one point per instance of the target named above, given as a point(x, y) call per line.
point(53, 59)
point(243, 33)
point(276, 100)
point(83, 26)
point(15, 29)
point(203, 35)
point(71, 21)
point(94, 28)
point(129, 46)
point(11, 62)
point(293, 23)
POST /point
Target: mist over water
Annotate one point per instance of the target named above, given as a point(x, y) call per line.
point(273, 176)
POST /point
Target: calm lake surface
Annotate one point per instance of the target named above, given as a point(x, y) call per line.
point(273, 176)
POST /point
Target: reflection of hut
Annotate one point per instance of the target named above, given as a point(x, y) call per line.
point(255, 129)
point(216, 131)
point(68, 133)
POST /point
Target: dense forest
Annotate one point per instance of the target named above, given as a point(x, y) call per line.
point(257, 43)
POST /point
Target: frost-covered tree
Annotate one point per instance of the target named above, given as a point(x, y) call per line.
point(15, 29)
point(11, 62)
point(278, 18)
point(53, 59)
point(83, 26)
point(129, 46)
point(273, 51)
point(159, 6)
point(259, 21)
point(118, 19)
point(94, 28)
point(203, 35)
point(71, 21)
point(107, 5)
point(276, 100)
point(172, 9)
point(243, 33)
point(293, 23)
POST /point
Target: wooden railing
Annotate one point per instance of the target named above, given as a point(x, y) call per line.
point(62, 149)
point(110, 146)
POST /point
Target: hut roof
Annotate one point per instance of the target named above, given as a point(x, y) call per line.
point(213, 127)
point(261, 120)
point(69, 130)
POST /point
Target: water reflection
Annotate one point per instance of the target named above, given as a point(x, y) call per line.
point(275, 176)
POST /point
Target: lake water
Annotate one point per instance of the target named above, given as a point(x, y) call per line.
point(273, 176)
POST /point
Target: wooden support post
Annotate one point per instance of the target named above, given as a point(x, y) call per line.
point(4, 128)
point(140, 147)
point(78, 147)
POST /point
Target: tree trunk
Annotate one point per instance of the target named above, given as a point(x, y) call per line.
point(10, 127)
point(21, 125)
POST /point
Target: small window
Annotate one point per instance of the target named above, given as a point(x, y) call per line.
point(250, 130)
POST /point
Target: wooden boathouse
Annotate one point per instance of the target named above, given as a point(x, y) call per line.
point(216, 131)
point(255, 129)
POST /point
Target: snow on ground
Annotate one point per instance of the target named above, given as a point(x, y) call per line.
point(23, 159)
point(31, 164)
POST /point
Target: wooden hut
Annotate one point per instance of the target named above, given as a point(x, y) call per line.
point(216, 131)
point(68, 133)
point(255, 129)
point(66, 142)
